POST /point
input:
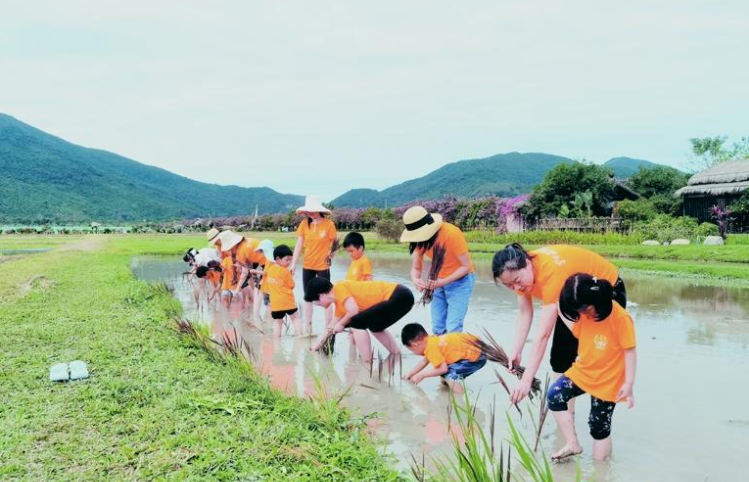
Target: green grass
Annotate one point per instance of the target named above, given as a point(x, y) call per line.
point(156, 407)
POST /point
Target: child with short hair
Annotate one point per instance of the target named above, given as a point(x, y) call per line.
point(605, 365)
point(360, 268)
point(281, 289)
point(211, 273)
point(453, 356)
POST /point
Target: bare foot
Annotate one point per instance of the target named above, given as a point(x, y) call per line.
point(568, 450)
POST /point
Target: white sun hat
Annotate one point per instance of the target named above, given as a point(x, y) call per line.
point(266, 246)
point(313, 204)
point(211, 235)
point(229, 239)
point(420, 225)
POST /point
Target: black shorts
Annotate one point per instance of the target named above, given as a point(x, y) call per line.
point(379, 317)
point(564, 344)
point(278, 315)
point(308, 274)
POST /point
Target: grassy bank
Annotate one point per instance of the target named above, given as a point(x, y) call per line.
point(156, 407)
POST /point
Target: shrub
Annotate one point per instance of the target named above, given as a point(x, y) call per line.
point(666, 228)
point(633, 211)
point(707, 229)
point(389, 229)
point(539, 238)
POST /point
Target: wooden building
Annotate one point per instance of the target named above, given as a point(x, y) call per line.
point(720, 185)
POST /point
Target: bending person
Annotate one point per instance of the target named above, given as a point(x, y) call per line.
point(454, 284)
point(541, 274)
point(365, 305)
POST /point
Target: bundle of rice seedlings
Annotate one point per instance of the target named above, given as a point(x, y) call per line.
point(493, 351)
point(328, 344)
point(438, 259)
point(333, 248)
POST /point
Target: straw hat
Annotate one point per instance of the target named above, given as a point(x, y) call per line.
point(313, 204)
point(266, 246)
point(211, 235)
point(420, 225)
point(229, 239)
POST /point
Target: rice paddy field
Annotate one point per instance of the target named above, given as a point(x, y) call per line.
point(160, 406)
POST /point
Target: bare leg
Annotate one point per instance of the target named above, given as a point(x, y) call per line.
point(257, 303)
point(387, 340)
point(297, 321)
point(308, 316)
point(566, 423)
point(602, 448)
point(363, 343)
point(277, 328)
point(455, 387)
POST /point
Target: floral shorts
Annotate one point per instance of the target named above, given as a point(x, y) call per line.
point(563, 390)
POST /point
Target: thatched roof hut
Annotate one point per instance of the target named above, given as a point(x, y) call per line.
point(720, 185)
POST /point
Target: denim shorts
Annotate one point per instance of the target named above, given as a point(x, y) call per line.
point(463, 368)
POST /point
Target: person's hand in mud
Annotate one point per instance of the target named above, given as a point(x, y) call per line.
point(520, 391)
point(321, 341)
point(417, 378)
point(626, 393)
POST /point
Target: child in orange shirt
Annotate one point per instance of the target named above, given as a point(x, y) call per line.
point(453, 356)
point(212, 273)
point(281, 289)
point(605, 365)
point(360, 268)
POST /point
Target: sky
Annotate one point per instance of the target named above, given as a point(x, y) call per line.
point(321, 97)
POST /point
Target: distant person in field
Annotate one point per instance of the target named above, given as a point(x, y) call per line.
point(245, 256)
point(266, 247)
point(454, 284)
point(605, 365)
point(453, 356)
point(280, 283)
point(541, 274)
point(197, 259)
point(316, 235)
point(360, 268)
point(211, 273)
point(364, 305)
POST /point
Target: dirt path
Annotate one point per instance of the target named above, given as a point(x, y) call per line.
point(91, 242)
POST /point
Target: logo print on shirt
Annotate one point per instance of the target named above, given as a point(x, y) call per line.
point(322, 234)
point(600, 341)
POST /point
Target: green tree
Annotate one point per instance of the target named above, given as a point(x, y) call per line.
point(709, 151)
point(658, 185)
point(587, 187)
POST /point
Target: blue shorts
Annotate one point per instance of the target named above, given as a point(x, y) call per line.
point(464, 368)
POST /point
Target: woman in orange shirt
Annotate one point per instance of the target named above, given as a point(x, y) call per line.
point(541, 274)
point(605, 366)
point(315, 239)
point(454, 285)
point(365, 305)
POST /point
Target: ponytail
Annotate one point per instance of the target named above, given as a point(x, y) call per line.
point(583, 290)
point(512, 258)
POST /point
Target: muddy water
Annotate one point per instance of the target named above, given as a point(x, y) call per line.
point(691, 422)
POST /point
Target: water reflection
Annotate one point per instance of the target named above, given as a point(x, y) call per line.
point(693, 348)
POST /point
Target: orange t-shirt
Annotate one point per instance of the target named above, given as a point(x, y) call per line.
point(228, 282)
point(214, 277)
point(451, 348)
point(365, 294)
point(318, 239)
point(280, 288)
point(359, 269)
point(264, 279)
point(599, 367)
point(552, 265)
point(246, 254)
point(454, 241)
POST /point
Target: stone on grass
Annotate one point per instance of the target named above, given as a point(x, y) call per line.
point(713, 241)
point(680, 242)
point(651, 242)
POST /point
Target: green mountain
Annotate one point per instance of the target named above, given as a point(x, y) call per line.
point(503, 175)
point(625, 167)
point(46, 179)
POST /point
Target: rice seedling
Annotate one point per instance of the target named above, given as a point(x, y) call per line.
point(335, 246)
point(418, 469)
point(328, 343)
point(543, 411)
point(507, 389)
point(493, 351)
point(438, 259)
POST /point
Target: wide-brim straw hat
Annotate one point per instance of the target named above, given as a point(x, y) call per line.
point(313, 204)
point(229, 239)
point(266, 246)
point(211, 235)
point(420, 225)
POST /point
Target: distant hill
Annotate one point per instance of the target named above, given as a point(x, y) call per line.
point(47, 179)
point(503, 175)
point(625, 167)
